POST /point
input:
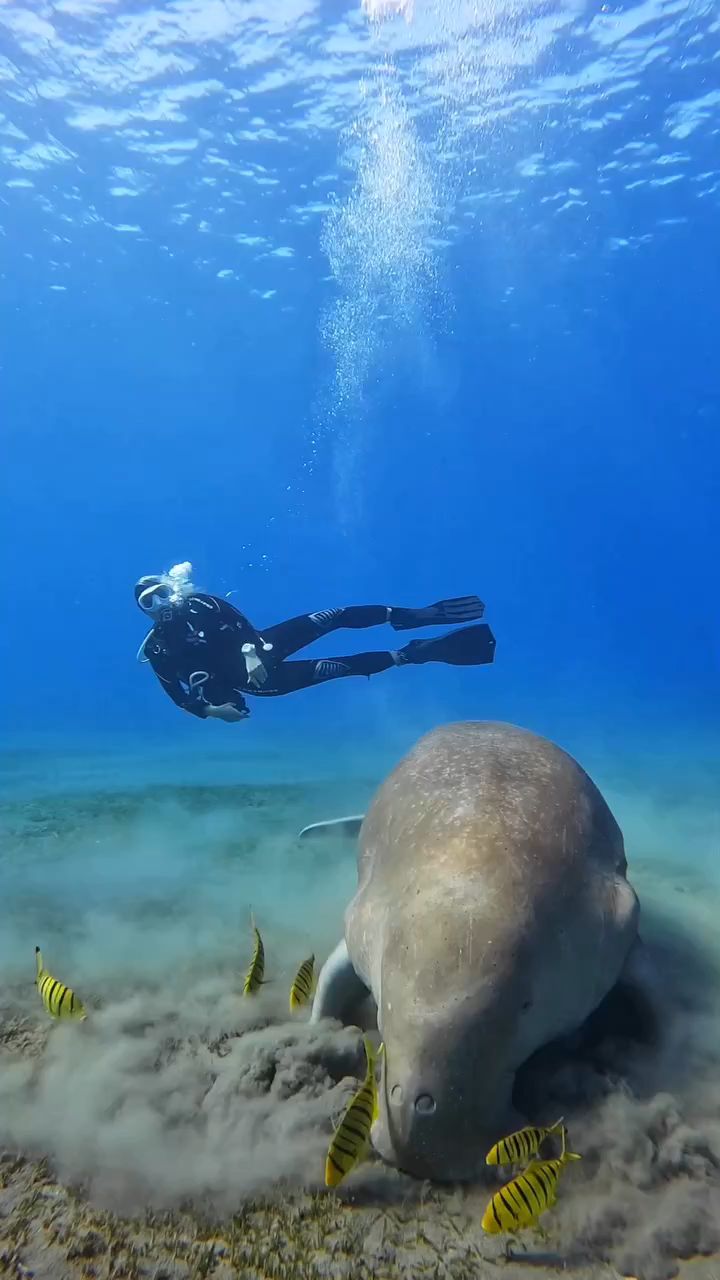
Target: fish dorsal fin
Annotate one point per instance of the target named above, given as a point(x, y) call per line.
point(38, 963)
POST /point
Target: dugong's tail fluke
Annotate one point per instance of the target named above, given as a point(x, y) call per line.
point(349, 827)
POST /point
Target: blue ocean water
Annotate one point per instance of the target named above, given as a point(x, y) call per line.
point(528, 213)
point(350, 303)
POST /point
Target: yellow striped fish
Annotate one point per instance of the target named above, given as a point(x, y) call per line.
point(521, 1202)
point(302, 987)
point(351, 1139)
point(58, 999)
point(256, 973)
point(519, 1147)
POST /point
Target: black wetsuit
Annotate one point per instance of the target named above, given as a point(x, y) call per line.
point(195, 649)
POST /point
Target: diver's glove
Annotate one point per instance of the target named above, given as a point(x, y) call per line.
point(227, 711)
point(255, 667)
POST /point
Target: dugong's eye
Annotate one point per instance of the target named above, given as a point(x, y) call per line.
point(425, 1104)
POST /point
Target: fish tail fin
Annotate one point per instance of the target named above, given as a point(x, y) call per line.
point(376, 1092)
point(566, 1155)
point(373, 1055)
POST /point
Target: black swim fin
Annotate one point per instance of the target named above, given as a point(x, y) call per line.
point(460, 609)
point(467, 647)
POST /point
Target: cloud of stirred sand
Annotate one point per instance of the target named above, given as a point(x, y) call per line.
point(176, 1085)
point(176, 1088)
point(646, 1118)
point(146, 1111)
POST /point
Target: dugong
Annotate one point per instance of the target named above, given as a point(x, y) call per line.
point(492, 915)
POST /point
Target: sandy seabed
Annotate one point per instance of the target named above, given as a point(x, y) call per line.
point(181, 1130)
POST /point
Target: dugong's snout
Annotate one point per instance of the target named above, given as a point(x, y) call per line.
point(428, 1126)
point(404, 1133)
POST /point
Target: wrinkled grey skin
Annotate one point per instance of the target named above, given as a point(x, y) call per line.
point(492, 915)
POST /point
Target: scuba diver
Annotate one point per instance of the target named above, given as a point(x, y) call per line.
point(207, 655)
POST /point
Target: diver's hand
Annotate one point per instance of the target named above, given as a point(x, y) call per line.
point(227, 712)
point(256, 670)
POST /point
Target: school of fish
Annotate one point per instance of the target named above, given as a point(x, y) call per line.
point(519, 1204)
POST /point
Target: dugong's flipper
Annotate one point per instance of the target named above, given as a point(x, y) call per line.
point(631, 1009)
point(339, 990)
point(639, 985)
point(349, 827)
